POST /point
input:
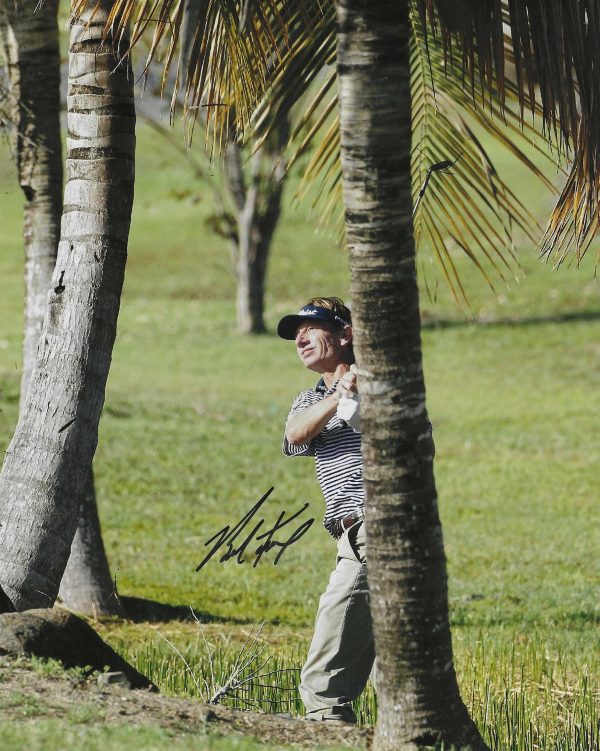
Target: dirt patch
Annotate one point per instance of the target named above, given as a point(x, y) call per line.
point(28, 692)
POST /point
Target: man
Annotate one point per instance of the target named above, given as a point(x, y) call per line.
point(341, 654)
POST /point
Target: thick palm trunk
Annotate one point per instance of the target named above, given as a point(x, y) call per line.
point(49, 459)
point(419, 701)
point(30, 44)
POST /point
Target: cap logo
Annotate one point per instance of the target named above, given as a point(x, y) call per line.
point(307, 312)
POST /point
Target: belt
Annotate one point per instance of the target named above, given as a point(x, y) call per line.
point(341, 525)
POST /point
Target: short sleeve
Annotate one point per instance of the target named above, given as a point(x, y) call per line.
point(300, 403)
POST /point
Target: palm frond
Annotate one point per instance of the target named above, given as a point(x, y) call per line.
point(555, 47)
point(444, 119)
point(223, 51)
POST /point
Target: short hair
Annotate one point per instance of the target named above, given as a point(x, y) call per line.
point(332, 303)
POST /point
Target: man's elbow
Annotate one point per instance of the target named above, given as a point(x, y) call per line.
point(294, 437)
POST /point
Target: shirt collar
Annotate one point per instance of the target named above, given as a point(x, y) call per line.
point(321, 387)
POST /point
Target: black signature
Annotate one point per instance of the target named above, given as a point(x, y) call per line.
point(237, 544)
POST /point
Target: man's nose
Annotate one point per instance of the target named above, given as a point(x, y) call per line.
point(301, 338)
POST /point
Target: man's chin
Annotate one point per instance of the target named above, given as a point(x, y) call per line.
point(312, 364)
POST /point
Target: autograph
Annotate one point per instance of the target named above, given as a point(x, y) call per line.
point(236, 542)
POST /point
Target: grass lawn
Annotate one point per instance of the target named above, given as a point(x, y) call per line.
point(191, 432)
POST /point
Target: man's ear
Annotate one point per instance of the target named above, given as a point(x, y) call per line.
point(346, 337)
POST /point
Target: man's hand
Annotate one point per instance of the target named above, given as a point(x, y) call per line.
point(348, 383)
point(304, 426)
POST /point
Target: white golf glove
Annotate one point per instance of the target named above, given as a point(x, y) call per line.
point(349, 411)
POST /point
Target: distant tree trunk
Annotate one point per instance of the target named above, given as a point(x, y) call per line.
point(49, 459)
point(419, 701)
point(257, 203)
point(30, 44)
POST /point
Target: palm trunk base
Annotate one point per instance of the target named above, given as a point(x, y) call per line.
point(86, 586)
point(463, 737)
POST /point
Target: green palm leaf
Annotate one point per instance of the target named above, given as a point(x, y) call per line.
point(555, 44)
point(260, 58)
point(471, 209)
point(223, 51)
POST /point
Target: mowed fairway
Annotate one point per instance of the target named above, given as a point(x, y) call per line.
point(191, 436)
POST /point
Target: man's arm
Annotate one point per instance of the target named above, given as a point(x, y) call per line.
point(307, 424)
point(304, 426)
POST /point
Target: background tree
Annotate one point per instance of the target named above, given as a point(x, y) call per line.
point(32, 57)
point(49, 458)
point(86, 585)
point(254, 178)
point(247, 211)
point(253, 181)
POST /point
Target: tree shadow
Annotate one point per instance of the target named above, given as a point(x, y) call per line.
point(570, 317)
point(140, 610)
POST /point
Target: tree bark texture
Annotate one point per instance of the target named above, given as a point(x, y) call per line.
point(419, 701)
point(257, 202)
point(30, 44)
point(86, 586)
point(49, 459)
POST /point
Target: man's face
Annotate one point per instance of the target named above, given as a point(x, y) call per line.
point(320, 346)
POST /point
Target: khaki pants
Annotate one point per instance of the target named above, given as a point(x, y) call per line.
point(341, 653)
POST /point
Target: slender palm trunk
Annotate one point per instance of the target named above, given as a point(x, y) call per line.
point(30, 43)
point(86, 586)
point(419, 701)
point(49, 459)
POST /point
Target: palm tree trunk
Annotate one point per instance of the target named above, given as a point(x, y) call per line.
point(419, 701)
point(49, 459)
point(30, 43)
point(86, 586)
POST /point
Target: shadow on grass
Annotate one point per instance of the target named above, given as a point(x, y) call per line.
point(576, 619)
point(571, 317)
point(140, 610)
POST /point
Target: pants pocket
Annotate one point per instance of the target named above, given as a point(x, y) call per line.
point(357, 541)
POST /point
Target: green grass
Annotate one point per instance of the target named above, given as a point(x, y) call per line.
point(525, 690)
point(49, 735)
point(191, 432)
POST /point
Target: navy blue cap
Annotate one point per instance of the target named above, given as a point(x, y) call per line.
point(288, 326)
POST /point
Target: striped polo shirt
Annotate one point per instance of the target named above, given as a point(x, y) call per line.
point(338, 460)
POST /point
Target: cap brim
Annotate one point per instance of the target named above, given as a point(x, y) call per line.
point(288, 326)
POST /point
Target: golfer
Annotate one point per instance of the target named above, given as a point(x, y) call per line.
point(323, 422)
